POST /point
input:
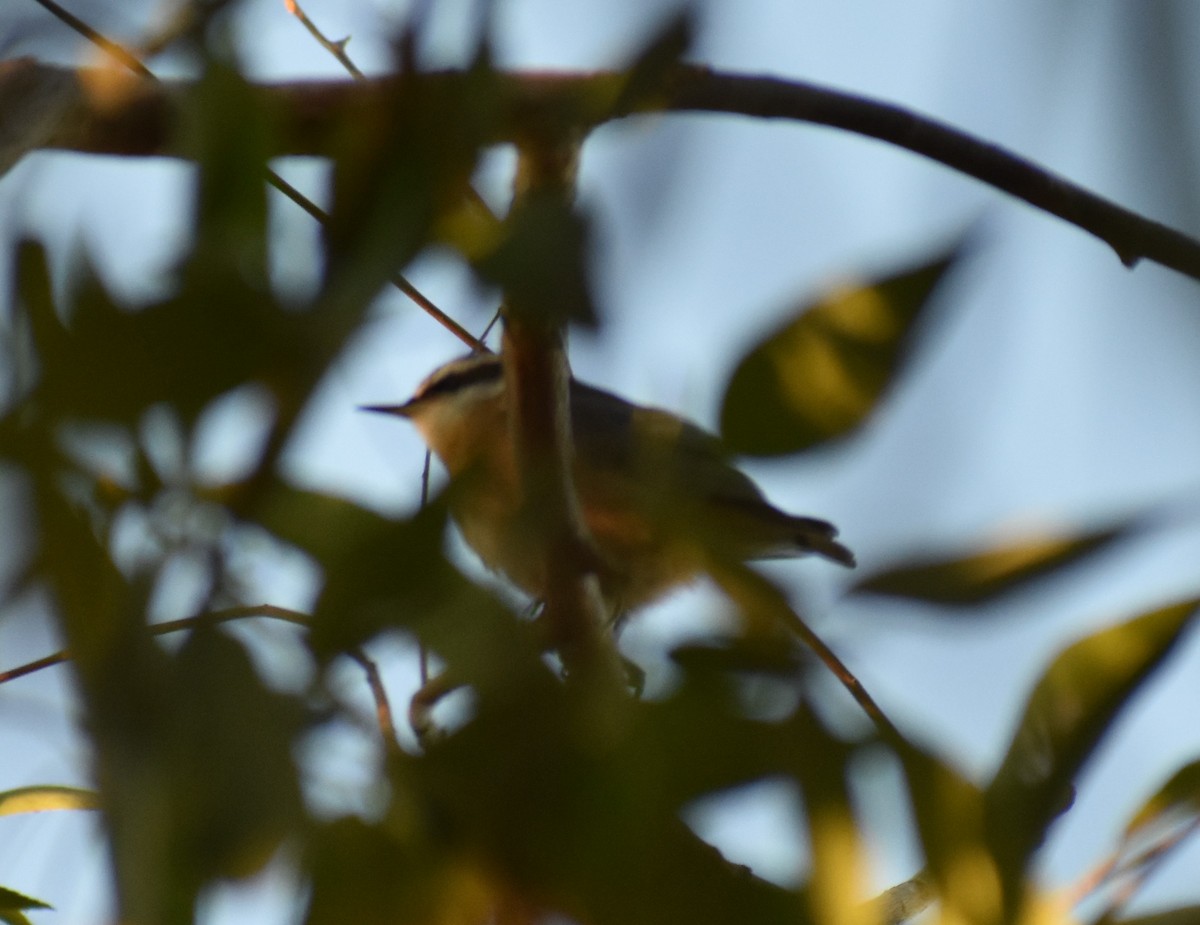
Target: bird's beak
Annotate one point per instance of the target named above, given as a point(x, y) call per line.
point(403, 411)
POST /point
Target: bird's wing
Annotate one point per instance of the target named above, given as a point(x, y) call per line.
point(666, 452)
point(645, 460)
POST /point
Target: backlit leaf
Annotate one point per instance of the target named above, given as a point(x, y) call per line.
point(1070, 709)
point(323, 525)
point(949, 811)
point(821, 375)
point(14, 904)
point(987, 574)
point(1176, 800)
point(42, 798)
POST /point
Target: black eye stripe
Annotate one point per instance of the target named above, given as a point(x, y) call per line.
point(460, 379)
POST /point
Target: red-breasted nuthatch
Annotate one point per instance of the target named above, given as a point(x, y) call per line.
point(658, 494)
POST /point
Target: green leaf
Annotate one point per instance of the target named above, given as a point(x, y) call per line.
point(391, 575)
point(540, 261)
point(1176, 800)
point(107, 363)
point(1069, 711)
point(11, 899)
point(46, 797)
point(821, 375)
point(648, 76)
point(990, 573)
point(323, 525)
point(395, 875)
point(395, 176)
point(585, 799)
point(227, 129)
point(13, 904)
point(225, 756)
point(950, 817)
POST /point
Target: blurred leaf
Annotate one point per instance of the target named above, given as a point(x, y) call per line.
point(392, 873)
point(323, 525)
point(541, 260)
point(107, 363)
point(648, 74)
point(950, 816)
point(14, 904)
point(837, 884)
point(698, 742)
point(227, 130)
point(45, 797)
point(984, 576)
point(1069, 711)
point(584, 800)
point(754, 654)
point(1178, 799)
point(395, 576)
point(389, 576)
point(822, 374)
point(401, 165)
point(226, 758)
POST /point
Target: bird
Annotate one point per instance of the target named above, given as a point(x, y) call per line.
point(659, 495)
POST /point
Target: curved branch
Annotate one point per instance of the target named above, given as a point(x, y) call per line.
point(210, 618)
point(310, 115)
point(1131, 235)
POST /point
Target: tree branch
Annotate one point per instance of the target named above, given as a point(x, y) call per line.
point(210, 618)
point(537, 387)
point(1132, 236)
point(140, 121)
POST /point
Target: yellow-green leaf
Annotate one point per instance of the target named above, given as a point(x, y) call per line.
point(14, 904)
point(41, 798)
point(821, 375)
point(1071, 708)
point(1179, 797)
point(984, 575)
point(950, 815)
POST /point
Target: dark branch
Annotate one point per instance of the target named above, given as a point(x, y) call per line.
point(1132, 236)
point(536, 383)
point(309, 117)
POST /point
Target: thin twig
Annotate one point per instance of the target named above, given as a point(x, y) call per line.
point(491, 324)
point(421, 704)
point(1129, 873)
point(130, 60)
point(115, 49)
point(422, 651)
point(397, 279)
point(337, 49)
point(383, 706)
point(757, 595)
point(173, 626)
point(903, 901)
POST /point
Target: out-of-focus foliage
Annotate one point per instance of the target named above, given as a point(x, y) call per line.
point(557, 796)
point(1069, 711)
point(821, 375)
point(41, 799)
point(1176, 802)
point(983, 576)
point(14, 905)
